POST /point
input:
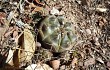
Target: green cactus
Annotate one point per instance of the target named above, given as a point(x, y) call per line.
point(55, 32)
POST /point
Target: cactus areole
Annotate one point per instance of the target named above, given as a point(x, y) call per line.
point(56, 34)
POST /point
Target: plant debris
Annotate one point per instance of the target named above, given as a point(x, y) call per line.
point(55, 34)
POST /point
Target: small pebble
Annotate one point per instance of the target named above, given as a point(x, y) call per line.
point(80, 63)
point(54, 11)
point(62, 67)
point(55, 64)
point(88, 31)
point(38, 44)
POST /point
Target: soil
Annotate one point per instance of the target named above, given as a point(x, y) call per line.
point(90, 22)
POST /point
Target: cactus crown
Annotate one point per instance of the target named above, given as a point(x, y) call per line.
point(57, 33)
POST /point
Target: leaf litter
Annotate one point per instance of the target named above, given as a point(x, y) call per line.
point(21, 47)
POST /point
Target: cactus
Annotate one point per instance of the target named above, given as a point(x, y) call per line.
point(56, 33)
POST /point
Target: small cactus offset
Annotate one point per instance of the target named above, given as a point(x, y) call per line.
point(56, 33)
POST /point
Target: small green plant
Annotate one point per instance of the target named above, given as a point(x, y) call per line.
point(58, 34)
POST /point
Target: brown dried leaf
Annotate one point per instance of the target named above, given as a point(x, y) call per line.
point(8, 33)
point(2, 15)
point(15, 34)
point(26, 50)
point(10, 30)
point(37, 9)
point(16, 55)
point(29, 44)
point(3, 26)
point(31, 5)
point(38, 2)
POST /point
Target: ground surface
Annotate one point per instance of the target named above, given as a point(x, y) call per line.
point(90, 19)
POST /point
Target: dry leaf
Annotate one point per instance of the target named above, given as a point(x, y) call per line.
point(91, 61)
point(2, 15)
point(19, 23)
point(10, 30)
point(9, 59)
point(102, 9)
point(38, 67)
point(37, 8)
point(108, 64)
point(10, 16)
point(82, 54)
point(100, 60)
point(74, 62)
point(3, 24)
point(16, 60)
point(2, 31)
point(38, 2)
point(27, 48)
point(15, 34)
point(101, 21)
point(31, 5)
point(104, 50)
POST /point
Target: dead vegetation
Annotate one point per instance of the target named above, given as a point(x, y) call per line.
point(34, 34)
